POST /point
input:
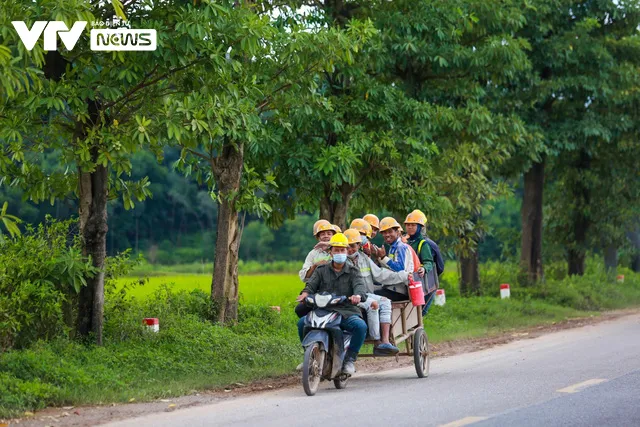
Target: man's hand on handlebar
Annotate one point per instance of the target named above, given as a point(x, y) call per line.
point(302, 296)
point(355, 299)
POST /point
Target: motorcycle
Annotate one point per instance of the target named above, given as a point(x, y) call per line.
point(324, 342)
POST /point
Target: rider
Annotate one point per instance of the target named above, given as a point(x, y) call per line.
point(340, 278)
point(399, 258)
point(377, 320)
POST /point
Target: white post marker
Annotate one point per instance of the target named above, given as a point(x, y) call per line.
point(152, 323)
point(440, 297)
point(620, 278)
point(505, 291)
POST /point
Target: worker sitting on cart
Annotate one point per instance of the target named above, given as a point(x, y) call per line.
point(399, 258)
point(340, 278)
point(378, 308)
point(322, 230)
point(414, 224)
point(371, 249)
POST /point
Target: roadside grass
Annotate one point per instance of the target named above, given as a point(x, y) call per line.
point(191, 353)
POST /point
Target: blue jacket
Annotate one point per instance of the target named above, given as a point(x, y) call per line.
point(399, 258)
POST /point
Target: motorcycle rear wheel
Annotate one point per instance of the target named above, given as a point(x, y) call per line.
point(312, 368)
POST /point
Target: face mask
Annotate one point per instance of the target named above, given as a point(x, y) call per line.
point(339, 258)
point(353, 255)
point(364, 240)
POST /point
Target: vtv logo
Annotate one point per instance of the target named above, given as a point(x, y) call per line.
point(51, 30)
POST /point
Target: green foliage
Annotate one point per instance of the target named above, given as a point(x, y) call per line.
point(10, 222)
point(40, 274)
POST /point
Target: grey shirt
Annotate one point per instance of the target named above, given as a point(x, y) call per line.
point(346, 282)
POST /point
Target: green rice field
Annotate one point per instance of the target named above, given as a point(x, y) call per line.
point(268, 289)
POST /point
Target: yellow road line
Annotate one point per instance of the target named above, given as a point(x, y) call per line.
point(580, 386)
point(464, 421)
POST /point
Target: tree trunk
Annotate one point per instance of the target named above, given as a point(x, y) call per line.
point(224, 287)
point(580, 220)
point(469, 274)
point(336, 211)
point(93, 189)
point(531, 212)
point(576, 262)
point(634, 238)
point(611, 259)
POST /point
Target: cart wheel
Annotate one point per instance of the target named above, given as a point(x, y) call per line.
point(421, 353)
point(341, 381)
point(312, 368)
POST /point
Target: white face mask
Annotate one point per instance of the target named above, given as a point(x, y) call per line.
point(353, 255)
point(339, 258)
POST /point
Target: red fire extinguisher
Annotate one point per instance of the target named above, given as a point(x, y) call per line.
point(415, 292)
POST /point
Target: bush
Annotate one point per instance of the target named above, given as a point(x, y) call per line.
point(41, 271)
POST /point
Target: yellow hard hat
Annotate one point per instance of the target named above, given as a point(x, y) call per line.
point(322, 225)
point(416, 217)
point(336, 228)
point(388, 223)
point(353, 235)
point(372, 220)
point(339, 240)
point(362, 226)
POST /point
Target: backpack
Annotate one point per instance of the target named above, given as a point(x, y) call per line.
point(430, 280)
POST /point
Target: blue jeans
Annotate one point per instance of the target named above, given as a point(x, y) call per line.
point(353, 324)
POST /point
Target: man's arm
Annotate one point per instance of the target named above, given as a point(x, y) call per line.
point(426, 257)
point(386, 277)
point(308, 263)
point(358, 288)
point(313, 283)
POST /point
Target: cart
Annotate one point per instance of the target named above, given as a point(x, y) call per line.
point(407, 328)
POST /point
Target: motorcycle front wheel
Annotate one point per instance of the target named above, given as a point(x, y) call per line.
point(312, 368)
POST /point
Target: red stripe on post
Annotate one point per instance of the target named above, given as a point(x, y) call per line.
point(440, 292)
point(151, 321)
point(504, 286)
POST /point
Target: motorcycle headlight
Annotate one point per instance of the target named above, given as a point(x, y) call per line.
point(322, 300)
point(335, 301)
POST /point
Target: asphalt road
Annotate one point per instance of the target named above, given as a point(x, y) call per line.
point(580, 377)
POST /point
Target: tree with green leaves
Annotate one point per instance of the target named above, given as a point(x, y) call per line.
point(238, 116)
point(97, 108)
point(456, 57)
point(584, 56)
